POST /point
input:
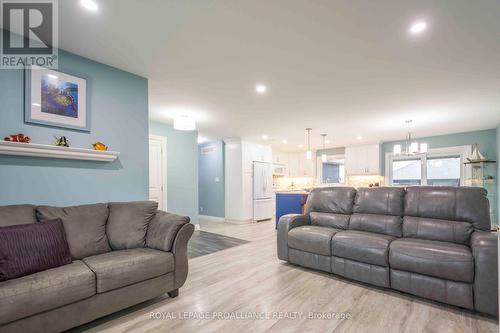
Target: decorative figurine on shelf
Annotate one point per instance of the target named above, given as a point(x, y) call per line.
point(17, 138)
point(99, 146)
point(61, 141)
point(476, 155)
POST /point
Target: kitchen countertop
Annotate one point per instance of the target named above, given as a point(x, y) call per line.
point(292, 192)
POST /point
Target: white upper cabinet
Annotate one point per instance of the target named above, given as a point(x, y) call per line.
point(293, 165)
point(280, 157)
point(309, 166)
point(299, 165)
point(362, 160)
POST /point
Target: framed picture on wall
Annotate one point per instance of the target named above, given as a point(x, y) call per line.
point(56, 98)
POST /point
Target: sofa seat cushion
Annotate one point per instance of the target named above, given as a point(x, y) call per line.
point(432, 258)
point(313, 239)
point(367, 247)
point(121, 268)
point(45, 290)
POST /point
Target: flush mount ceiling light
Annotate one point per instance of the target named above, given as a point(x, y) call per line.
point(90, 5)
point(411, 148)
point(418, 27)
point(184, 123)
point(309, 152)
point(323, 156)
point(260, 89)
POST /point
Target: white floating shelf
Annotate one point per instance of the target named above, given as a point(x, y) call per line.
point(47, 151)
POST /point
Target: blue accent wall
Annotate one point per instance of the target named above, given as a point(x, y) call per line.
point(182, 169)
point(211, 179)
point(119, 118)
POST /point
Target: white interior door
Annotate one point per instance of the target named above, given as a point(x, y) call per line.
point(157, 167)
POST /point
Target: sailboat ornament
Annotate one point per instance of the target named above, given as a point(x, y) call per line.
point(476, 155)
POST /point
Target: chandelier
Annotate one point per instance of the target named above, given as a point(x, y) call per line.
point(411, 147)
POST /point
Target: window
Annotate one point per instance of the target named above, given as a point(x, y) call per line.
point(443, 171)
point(439, 167)
point(407, 172)
point(332, 171)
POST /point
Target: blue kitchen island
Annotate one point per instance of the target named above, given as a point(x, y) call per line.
point(290, 202)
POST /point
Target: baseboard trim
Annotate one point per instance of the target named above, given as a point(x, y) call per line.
point(212, 218)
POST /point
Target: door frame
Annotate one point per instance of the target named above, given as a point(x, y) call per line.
point(163, 140)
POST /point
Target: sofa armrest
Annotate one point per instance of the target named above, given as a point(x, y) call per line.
point(484, 247)
point(171, 233)
point(163, 229)
point(285, 224)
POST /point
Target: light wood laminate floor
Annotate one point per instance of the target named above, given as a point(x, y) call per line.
point(249, 278)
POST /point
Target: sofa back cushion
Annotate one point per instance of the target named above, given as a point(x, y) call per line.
point(85, 227)
point(380, 200)
point(337, 221)
point(30, 248)
point(381, 224)
point(439, 230)
point(379, 210)
point(330, 206)
point(17, 214)
point(337, 200)
point(460, 204)
point(128, 223)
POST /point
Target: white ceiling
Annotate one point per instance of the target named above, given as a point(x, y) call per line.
point(345, 68)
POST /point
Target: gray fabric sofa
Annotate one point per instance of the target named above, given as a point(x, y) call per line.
point(432, 242)
point(122, 254)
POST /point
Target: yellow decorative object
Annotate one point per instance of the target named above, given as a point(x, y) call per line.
point(99, 146)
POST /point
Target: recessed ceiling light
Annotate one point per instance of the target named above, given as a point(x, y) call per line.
point(184, 123)
point(52, 76)
point(260, 89)
point(300, 146)
point(418, 27)
point(89, 5)
point(284, 141)
point(265, 137)
point(359, 137)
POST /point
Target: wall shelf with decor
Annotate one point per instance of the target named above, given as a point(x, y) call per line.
point(47, 151)
point(481, 174)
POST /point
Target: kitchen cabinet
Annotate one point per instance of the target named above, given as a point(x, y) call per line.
point(293, 165)
point(280, 157)
point(362, 160)
point(297, 164)
point(309, 166)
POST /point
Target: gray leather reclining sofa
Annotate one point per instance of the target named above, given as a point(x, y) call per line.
point(433, 242)
point(123, 254)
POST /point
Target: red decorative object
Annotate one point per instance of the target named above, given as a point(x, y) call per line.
point(17, 138)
